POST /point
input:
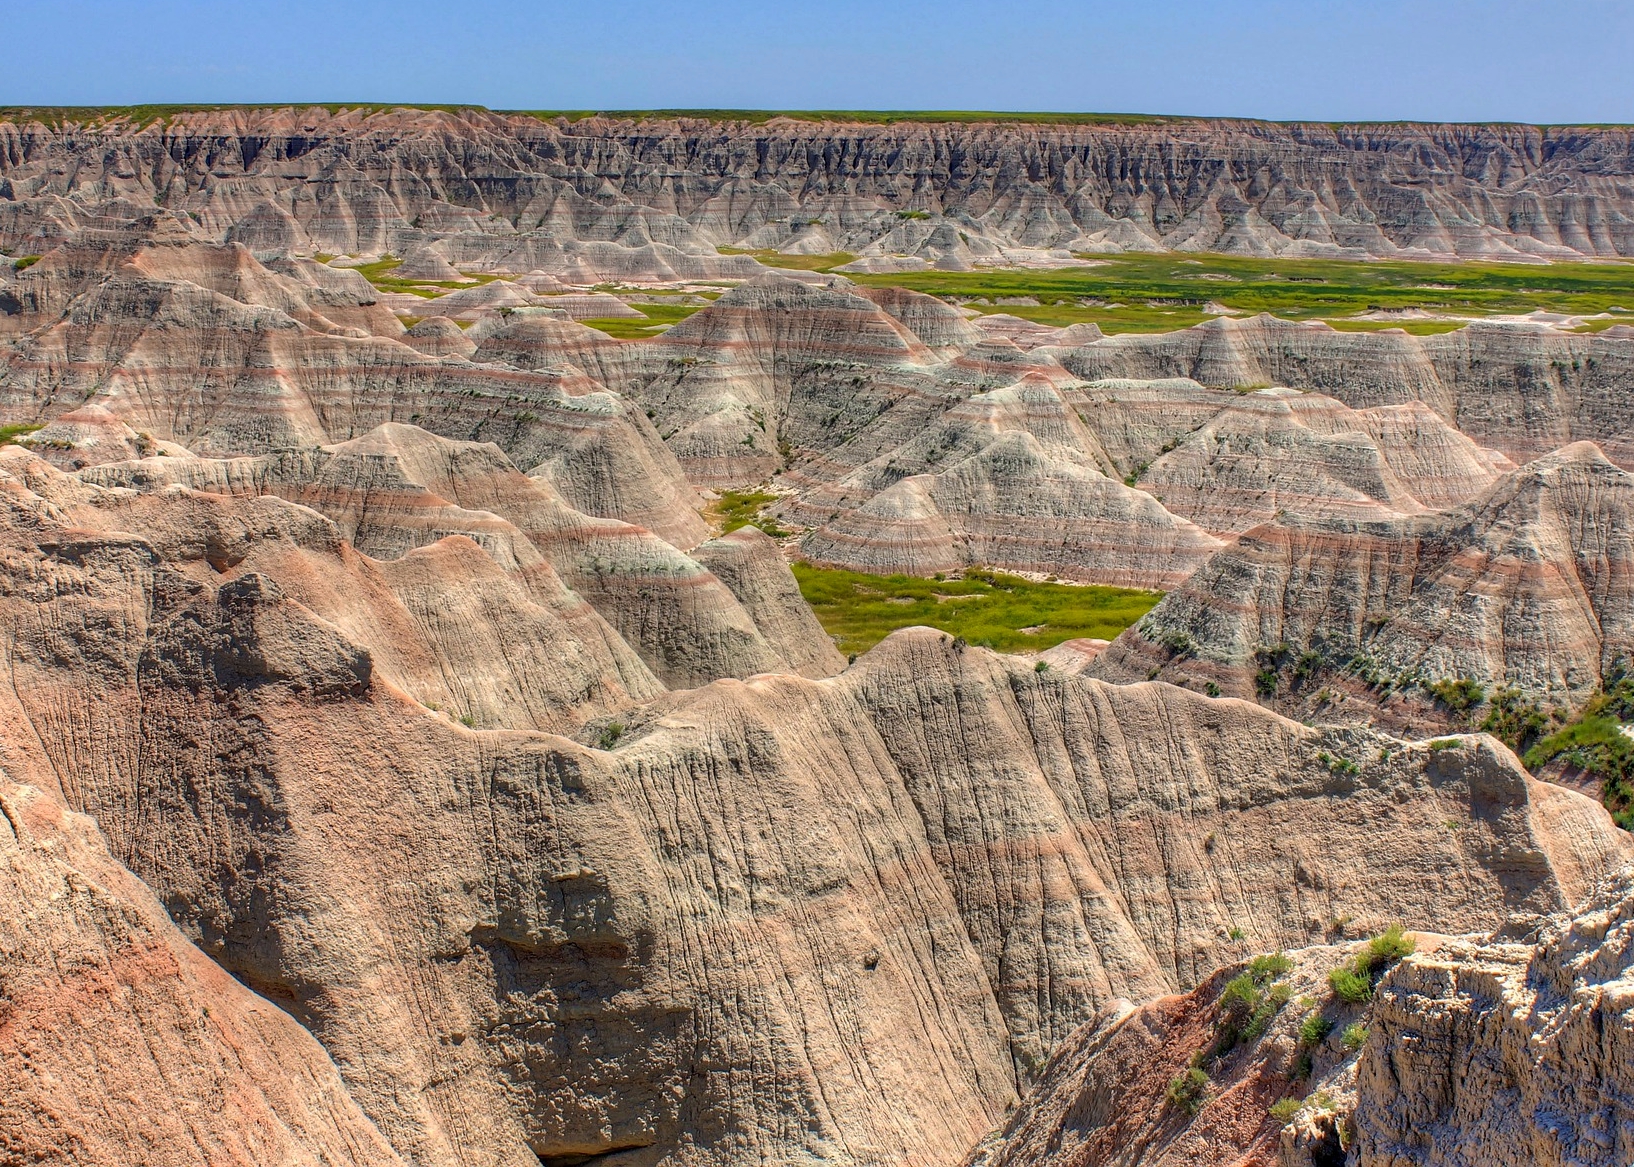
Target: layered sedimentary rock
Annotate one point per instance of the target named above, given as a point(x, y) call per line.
point(120, 1042)
point(1107, 1095)
point(1523, 389)
point(605, 198)
point(399, 489)
point(1014, 505)
point(1278, 452)
point(1527, 587)
point(890, 892)
point(1512, 1050)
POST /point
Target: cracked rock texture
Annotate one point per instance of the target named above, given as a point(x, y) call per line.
point(1513, 1050)
point(603, 199)
point(1529, 586)
point(120, 1042)
point(842, 919)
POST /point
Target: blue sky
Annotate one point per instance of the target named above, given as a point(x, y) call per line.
point(1434, 59)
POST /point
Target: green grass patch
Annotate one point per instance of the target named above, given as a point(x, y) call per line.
point(1190, 1090)
point(1284, 1109)
point(740, 508)
point(1595, 743)
point(10, 433)
point(630, 328)
point(1353, 983)
point(1145, 293)
point(782, 259)
point(24, 262)
point(1412, 327)
point(985, 608)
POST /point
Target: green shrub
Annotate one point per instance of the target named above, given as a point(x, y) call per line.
point(1270, 966)
point(1354, 1037)
point(1187, 1090)
point(1314, 1030)
point(611, 734)
point(1514, 721)
point(1265, 682)
point(1389, 946)
point(1241, 995)
point(1042, 667)
point(1285, 1108)
point(1349, 985)
point(1445, 743)
point(1267, 1010)
point(1458, 694)
point(24, 262)
point(1211, 689)
point(1353, 983)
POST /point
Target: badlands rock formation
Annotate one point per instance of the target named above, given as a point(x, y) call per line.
point(604, 198)
point(1487, 1051)
point(1529, 587)
point(403, 669)
point(844, 918)
point(1106, 1095)
point(1535, 1019)
point(1523, 389)
point(123, 1043)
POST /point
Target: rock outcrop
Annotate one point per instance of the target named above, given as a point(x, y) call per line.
point(120, 1042)
point(891, 893)
point(1516, 1049)
point(1523, 389)
point(1529, 587)
point(602, 198)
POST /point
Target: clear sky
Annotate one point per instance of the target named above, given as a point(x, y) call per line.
point(1543, 61)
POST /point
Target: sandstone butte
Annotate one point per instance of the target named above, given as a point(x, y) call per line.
point(396, 765)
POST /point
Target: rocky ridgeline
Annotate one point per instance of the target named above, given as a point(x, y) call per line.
point(605, 199)
point(1497, 1051)
point(901, 436)
point(776, 917)
point(402, 670)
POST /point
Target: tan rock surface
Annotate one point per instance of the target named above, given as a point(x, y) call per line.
point(842, 918)
point(1515, 1050)
point(1527, 587)
point(120, 1042)
point(600, 198)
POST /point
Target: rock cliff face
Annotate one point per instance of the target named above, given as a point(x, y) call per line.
point(1475, 1051)
point(600, 198)
point(1513, 1050)
point(120, 1042)
point(403, 668)
point(1523, 389)
point(1528, 587)
point(835, 919)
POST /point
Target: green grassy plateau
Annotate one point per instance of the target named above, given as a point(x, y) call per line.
point(985, 608)
point(1156, 293)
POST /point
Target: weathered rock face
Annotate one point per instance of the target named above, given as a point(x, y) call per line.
point(1105, 1097)
point(608, 199)
point(399, 489)
point(1516, 1050)
point(1520, 388)
point(1528, 587)
point(781, 918)
point(1277, 451)
point(120, 1042)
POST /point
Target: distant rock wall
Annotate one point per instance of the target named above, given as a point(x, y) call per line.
point(481, 186)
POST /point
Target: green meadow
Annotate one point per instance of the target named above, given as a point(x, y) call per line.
point(1156, 293)
point(988, 608)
